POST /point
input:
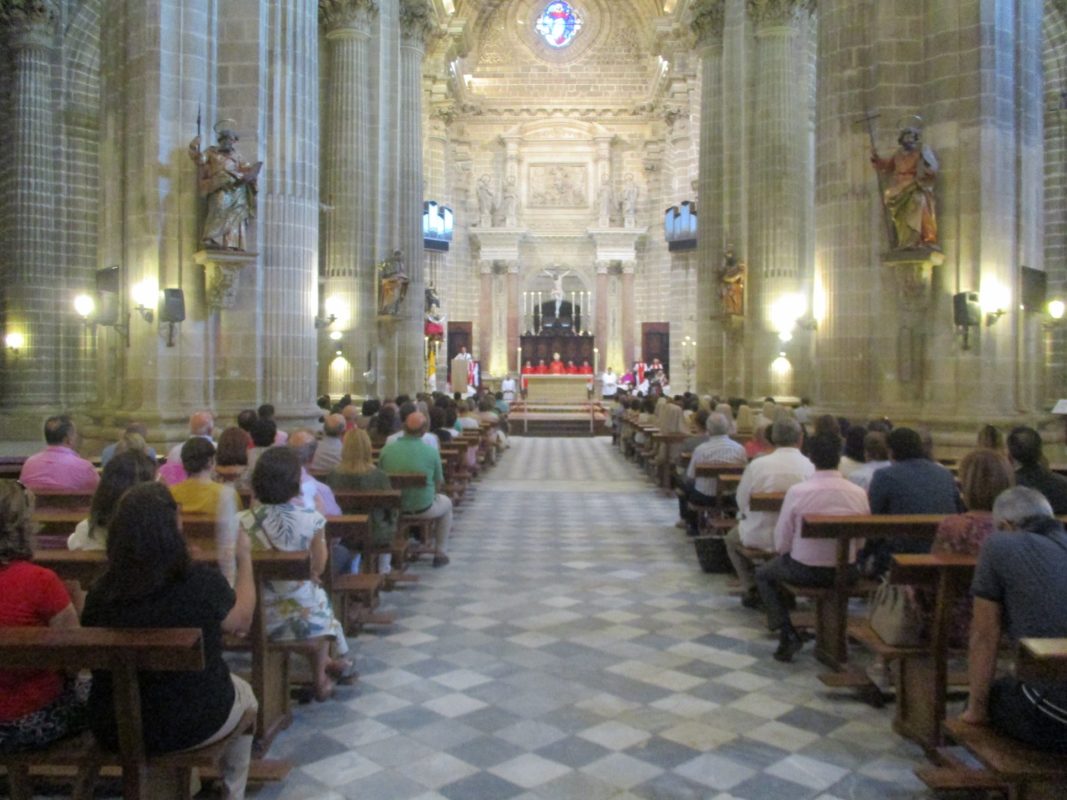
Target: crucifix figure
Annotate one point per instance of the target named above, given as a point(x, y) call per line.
point(557, 276)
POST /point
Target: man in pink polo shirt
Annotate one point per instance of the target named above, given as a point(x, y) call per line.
point(59, 468)
point(807, 562)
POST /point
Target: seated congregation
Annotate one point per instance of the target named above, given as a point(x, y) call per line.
point(250, 542)
point(924, 564)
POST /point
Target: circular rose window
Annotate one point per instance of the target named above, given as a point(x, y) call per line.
point(558, 24)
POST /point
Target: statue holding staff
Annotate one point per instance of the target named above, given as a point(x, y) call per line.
point(909, 197)
point(228, 183)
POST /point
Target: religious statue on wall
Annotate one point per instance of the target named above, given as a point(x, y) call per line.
point(507, 214)
point(434, 326)
point(392, 284)
point(629, 202)
point(228, 183)
point(605, 200)
point(909, 198)
point(486, 202)
point(732, 284)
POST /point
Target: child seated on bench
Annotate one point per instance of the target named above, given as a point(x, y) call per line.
point(152, 583)
point(1020, 587)
point(36, 706)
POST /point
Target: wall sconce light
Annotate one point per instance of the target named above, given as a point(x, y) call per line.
point(336, 336)
point(993, 316)
point(86, 308)
point(995, 301)
point(1056, 309)
point(14, 342)
point(333, 307)
point(143, 297)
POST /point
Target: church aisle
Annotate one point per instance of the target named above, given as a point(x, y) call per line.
point(573, 649)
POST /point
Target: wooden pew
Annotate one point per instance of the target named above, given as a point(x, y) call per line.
point(63, 500)
point(922, 677)
point(714, 521)
point(831, 603)
point(1023, 772)
point(124, 653)
point(670, 443)
point(270, 665)
point(11, 467)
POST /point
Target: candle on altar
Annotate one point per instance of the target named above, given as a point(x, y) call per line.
point(518, 358)
point(596, 361)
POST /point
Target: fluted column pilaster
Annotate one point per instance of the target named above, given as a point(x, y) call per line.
point(416, 28)
point(709, 18)
point(347, 252)
point(290, 207)
point(513, 321)
point(628, 320)
point(776, 200)
point(485, 314)
point(31, 298)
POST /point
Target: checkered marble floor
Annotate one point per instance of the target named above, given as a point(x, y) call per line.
point(574, 649)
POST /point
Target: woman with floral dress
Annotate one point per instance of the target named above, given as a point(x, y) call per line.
point(295, 610)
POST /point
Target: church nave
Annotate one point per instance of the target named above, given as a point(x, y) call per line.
point(574, 649)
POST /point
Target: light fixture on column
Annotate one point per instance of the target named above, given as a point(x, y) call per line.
point(14, 342)
point(145, 298)
point(680, 226)
point(1055, 310)
point(995, 300)
point(106, 315)
point(333, 308)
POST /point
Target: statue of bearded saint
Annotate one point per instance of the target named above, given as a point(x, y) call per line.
point(228, 184)
point(909, 198)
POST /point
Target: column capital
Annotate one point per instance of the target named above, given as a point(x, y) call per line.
point(485, 267)
point(417, 22)
point(513, 267)
point(777, 13)
point(708, 21)
point(341, 17)
point(602, 267)
point(29, 23)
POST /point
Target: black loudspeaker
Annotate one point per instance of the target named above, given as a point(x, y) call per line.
point(173, 306)
point(1035, 282)
point(965, 309)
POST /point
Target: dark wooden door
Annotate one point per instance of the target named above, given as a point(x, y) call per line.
point(656, 343)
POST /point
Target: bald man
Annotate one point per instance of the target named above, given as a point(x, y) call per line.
point(328, 453)
point(410, 454)
point(202, 425)
point(316, 494)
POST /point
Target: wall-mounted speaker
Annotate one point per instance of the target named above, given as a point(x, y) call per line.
point(965, 309)
point(173, 307)
point(1035, 282)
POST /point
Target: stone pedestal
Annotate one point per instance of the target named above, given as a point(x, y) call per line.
point(222, 271)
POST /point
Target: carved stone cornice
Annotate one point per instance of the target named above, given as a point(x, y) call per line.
point(708, 21)
point(338, 16)
point(777, 13)
point(418, 24)
point(29, 23)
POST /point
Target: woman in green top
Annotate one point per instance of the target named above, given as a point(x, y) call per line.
point(356, 472)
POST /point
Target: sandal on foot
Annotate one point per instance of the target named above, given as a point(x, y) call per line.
point(343, 669)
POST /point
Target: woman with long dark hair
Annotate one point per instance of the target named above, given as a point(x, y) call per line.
point(152, 583)
point(122, 471)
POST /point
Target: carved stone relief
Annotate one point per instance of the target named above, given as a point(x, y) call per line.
point(558, 186)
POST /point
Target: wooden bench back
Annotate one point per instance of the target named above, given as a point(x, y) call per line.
point(62, 500)
point(1042, 660)
point(407, 480)
point(363, 502)
point(123, 653)
point(766, 501)
point(870, 526)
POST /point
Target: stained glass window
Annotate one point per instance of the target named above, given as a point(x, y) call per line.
point(559, 23)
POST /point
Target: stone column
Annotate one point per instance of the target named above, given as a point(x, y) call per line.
point(289, 207)
point(485, 314)
point(600, 303)
point(347, 193)
point(514, 319)
point(32, 298)
point(628, 321)
point(777, 197)
point(416, 27)
point(709, 17)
